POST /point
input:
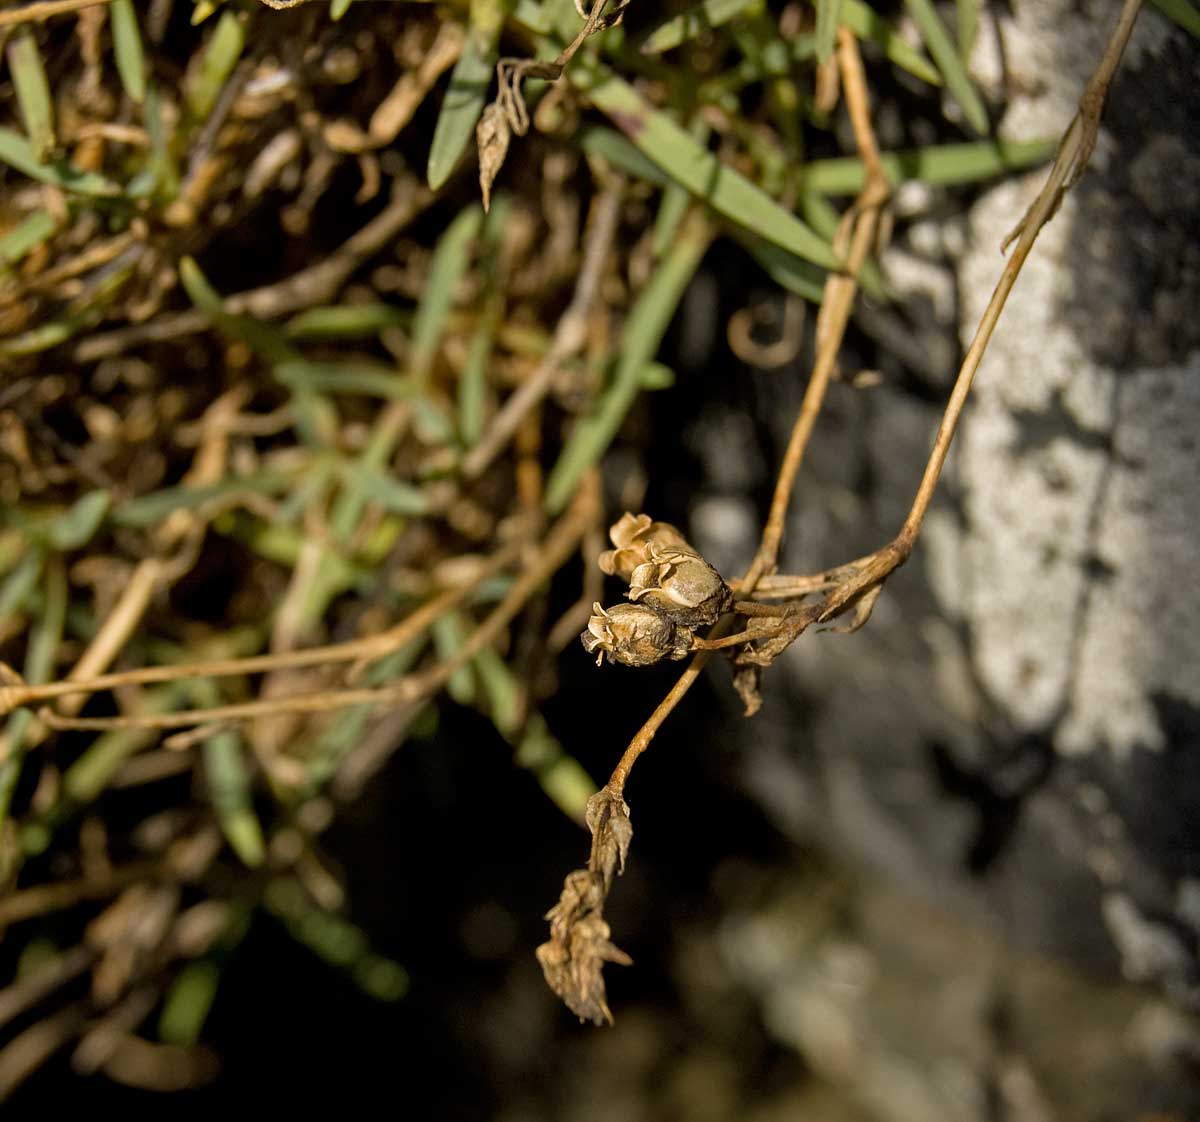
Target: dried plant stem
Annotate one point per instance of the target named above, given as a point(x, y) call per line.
point(355, 650)
point(550, 555)
point(569, 335)
point(1073, 153)
point(314, 285)
point(836, 306)
point(47, 9)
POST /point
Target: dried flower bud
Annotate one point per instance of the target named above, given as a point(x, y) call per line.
point(635, 635)
point(665, 572)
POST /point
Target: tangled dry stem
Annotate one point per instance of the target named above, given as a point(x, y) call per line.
point(856, 586)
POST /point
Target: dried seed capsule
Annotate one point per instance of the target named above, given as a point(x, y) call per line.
point(665, 572)
point(632, 536)
point(635, 635)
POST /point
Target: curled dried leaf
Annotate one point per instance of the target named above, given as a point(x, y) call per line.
point(747, 681)
point(492, 136)
point(573, 959)
point(634, 635)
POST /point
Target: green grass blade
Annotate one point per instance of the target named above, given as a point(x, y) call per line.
point(689, 163)
point(20, 583)
point(967, 12)
point(346, 321)
point(188, 1001)
point(17, 152)
point(352, 377)
point(949, 62)
point(127, 47)
point(829, 14)
point(867, 24)
point(40, 658)
point(675, 200)
point(27, 235)
point(696, 20)
point(620, 152)
point(391, 494)
point(450, 261)
point(467, 92)
point(944, 165)
point(640, 339)
point(33, 93)
point(1182, 12)
point(787, 270)
point(338, 8)
point(202, 86)
point(229, 787)
point(75, 526)
point(148, 510)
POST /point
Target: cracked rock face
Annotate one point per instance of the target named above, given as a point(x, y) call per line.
point(1016, 735)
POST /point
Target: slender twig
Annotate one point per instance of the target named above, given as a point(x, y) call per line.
point(367, 649)
point(46, 9)
point(837, 302)
point(550, 555)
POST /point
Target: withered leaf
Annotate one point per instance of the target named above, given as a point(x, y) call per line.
point(492, 136)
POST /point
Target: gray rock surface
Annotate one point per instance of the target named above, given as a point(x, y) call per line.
point(1015, 737)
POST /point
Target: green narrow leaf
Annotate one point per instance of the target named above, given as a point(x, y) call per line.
point(127, 46)
point(33, 93)
point(1182, 12)
point(829, 14)
point(620, 152)
point(450, 262)
point(968, 26)
point(473, 383)
point(20, 583)
point(76, 526)
point(866, 23)
point(675, 199)
point(202, 85)
point(640, 339)
point(27, 235)
point(186, 1006)
point(949, 62)
point(229, 787)
point(469, 81)
point(472, 386)
point(18, 152)
point(147, 510)
point(317, 417)
point(44, 642)
point(695, 21)
point(692, 165)
point(370, 379)
point(449, 632)
point(338, 8)
point(346, 321)
point(946, 164)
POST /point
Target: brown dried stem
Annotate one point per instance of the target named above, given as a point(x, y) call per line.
point(836, 306)
point(46, 9)
point(550, 555)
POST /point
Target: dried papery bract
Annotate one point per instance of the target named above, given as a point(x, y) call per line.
point(634, 635)
point(573, 959)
